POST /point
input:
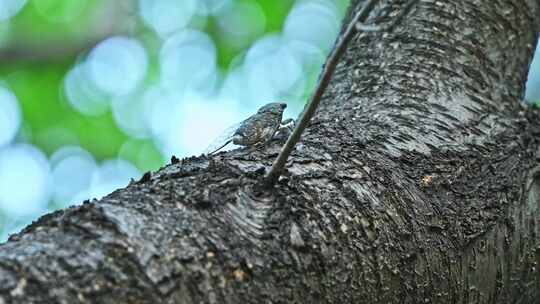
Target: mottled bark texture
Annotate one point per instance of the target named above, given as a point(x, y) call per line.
point(415, 183)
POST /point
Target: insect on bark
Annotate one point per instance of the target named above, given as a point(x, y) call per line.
point(257, 129)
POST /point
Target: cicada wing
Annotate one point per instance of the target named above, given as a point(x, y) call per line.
point(223, 139)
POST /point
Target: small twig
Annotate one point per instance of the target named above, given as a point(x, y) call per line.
point(328, 70)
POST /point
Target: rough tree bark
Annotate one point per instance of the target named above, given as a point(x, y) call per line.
point(415, 183)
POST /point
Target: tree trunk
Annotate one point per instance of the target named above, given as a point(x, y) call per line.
point(415, 183)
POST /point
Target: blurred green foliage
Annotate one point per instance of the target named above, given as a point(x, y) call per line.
point(47, 38)
point(62, 26)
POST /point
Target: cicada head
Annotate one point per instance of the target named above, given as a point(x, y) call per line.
point(276, 108)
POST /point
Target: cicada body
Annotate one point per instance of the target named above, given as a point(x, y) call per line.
point(258, 128)
point(223, 139)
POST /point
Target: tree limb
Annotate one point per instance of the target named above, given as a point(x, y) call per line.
point(411, 185)
point(326, 75)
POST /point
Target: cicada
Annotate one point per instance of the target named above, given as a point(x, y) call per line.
point(258, 128)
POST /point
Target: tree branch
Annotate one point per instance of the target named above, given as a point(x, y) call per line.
point(412, 183)
point(326, 75)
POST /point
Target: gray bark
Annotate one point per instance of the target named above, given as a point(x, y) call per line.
point(415, 183)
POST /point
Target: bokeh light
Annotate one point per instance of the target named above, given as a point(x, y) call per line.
point(24, 180)
point(185, 124)
point(199, 123)
point(111, 175)
point(211, 7)
point(240, 22)
point(10, 116)
point(8, 8)
point(81, 92)
point(130, 113)
point(72, 170)
point(532, 93)
point(167, 16)
point(117, 65)
point(271, 57)
point(188, 61)
point(300, 23)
